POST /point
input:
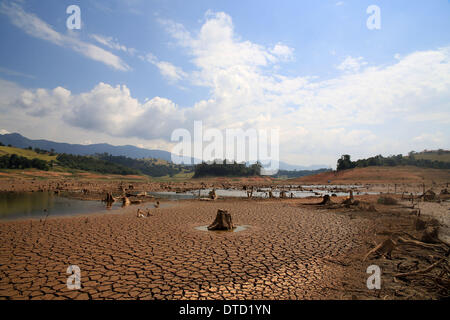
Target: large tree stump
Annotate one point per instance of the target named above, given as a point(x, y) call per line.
point(223, 221)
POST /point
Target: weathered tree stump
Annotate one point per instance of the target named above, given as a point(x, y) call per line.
point(125, 202)
point(326, 200)
point(223, 221)
point(212, 194)
point(420, 224)
point(430, 235)
point(429, 196)
point(109, 198)
point(349, 199)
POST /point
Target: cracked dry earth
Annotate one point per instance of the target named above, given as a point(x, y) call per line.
point(282, 255)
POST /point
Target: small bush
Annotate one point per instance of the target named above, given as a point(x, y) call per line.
point(387, 201)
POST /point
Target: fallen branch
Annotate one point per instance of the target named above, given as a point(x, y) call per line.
point(418, 243)
point(420, 271)
point(384, 248)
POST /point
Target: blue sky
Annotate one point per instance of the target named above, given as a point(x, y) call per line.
point(139, 69)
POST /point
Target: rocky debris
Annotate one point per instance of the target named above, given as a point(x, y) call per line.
point(223, 221)
point(143, 213)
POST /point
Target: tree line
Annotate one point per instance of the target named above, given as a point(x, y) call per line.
point(146, 166)
point(345, 162)
point(14, 161)
point(88, 163)
point(227, 169)
point(298, 173)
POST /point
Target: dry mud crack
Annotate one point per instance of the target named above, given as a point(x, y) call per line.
point(284, 254)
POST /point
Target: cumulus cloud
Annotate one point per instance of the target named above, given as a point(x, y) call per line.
point(105, 109)
point(430, 139)
point(351, 64)
point(318, 119)
point(283, 51)
point(35, 27)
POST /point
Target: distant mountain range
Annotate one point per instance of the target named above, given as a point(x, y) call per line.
point(19, 141)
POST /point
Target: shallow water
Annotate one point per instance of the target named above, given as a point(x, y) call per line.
point(172, 195)
point(263, 193)
point(38, 205)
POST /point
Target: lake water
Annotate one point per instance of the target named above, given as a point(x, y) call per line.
point(38, 205)
point(262, 193)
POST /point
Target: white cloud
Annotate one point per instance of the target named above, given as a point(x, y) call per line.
point(112, 43)
point(105, 109)
point(283, 51)
point(167, 69)
point(35, 27)
point(430, 141)
point(15, 73)
point(3, 131)
point(438, 117)
point(318, 119)
point(351, 64)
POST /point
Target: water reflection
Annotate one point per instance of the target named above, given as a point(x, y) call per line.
point(41, 204)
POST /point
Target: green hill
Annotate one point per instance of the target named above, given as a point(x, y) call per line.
point(29, 154)
point(433, 155)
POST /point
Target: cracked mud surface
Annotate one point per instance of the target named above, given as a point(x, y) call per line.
point(282, 255)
